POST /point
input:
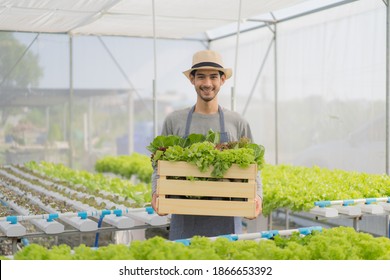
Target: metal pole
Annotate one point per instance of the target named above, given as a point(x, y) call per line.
point(287, 219)
point(90, 131)
point(356, 223)
point(257, 77)
point(233, 98)
point(14, 245)
point(64, 124)
point(123, 73)
point(276, 91)
point(387, 84)
point(155, 129)
point(47, 140)
point(269, 222)
point(131, 122)
point(266, 22)
point(19, 59)
point(47, 123)
point(71, 93)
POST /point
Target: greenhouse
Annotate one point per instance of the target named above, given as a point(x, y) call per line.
point(87, 93)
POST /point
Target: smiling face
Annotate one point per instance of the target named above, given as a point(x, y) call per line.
point(207, 83)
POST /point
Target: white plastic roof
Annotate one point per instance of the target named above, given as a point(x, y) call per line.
point(173, 18)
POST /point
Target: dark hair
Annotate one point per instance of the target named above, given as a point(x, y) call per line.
point(194, 71)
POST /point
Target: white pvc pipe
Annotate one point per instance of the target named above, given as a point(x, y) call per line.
point(259, 235)
point(358, 200)
point(89, 213)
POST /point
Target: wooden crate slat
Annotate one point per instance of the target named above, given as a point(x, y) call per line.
point(206, 207)
point(180, 168)
point(206, 188)
point(180, 186)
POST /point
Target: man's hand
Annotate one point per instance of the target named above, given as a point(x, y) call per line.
point(154, 204)
point(259, 208)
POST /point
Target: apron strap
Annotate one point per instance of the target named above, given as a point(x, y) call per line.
point(223, 134)
point(188, 123)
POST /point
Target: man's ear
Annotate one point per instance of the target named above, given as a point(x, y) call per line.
point(223, 79)
point(192, 79)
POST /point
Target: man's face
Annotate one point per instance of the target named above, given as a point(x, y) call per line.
point(207, 83)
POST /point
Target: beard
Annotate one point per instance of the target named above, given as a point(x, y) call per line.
point(207, 94)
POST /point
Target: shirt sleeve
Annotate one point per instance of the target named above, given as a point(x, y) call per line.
point(167, 126)
point(246, 131)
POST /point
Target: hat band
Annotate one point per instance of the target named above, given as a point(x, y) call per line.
point(203, 64)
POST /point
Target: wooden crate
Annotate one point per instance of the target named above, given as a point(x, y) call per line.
point(217, 198)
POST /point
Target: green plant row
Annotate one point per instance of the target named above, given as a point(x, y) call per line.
point(284, 186)
point(127, 166)
point(140, 193)
point(89, 196)
point(340, 243)
point(297, 188)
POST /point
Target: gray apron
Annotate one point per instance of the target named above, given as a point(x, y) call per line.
point(187, 226)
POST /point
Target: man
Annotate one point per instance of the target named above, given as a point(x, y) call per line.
point(207, 74)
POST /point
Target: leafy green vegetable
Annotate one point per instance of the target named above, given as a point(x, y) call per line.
point(206, 151)
point(140, 193)
point(201, 154)
point(213, 137)
point(340, 243)
point(136, 164)
point(192, 139)
point(298, 187)
point(162, 141)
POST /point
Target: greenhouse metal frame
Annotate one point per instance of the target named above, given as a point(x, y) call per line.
point(40, 18)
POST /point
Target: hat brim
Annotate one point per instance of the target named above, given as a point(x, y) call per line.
point(227, 71)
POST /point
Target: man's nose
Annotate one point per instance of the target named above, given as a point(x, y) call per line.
point(207, 81)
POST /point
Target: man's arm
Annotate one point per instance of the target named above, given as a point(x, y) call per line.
point(155, 176)
point(259, 189)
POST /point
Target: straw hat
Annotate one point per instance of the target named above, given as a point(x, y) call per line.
point(208, 59)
